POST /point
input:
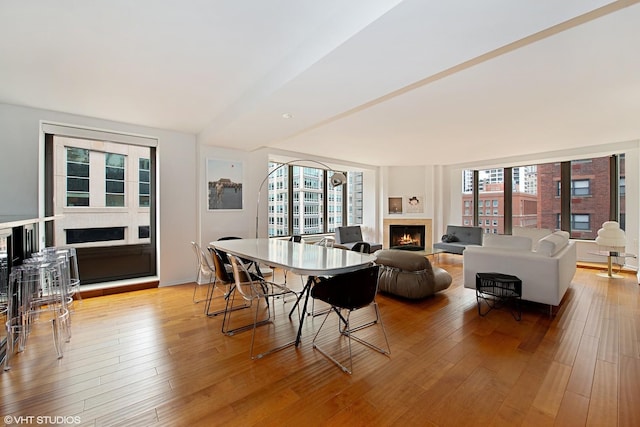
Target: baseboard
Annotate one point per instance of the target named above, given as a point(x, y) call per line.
point(119, 289)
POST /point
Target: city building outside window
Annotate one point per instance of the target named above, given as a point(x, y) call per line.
point(114, 179)
point(77, 176)
point(317, 207)
point(535, 200)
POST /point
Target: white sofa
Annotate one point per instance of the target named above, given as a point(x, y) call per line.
point(546, 266)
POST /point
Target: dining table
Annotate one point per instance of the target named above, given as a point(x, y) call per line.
point(301, 258)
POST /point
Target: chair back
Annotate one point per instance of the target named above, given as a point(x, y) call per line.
point(203, 261)
point(327, 243)
point(221, 271)
point(351, 290)
point(362, 247)
point(243, 280)
point(197, 252)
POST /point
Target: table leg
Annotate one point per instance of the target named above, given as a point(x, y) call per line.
point(305, 292)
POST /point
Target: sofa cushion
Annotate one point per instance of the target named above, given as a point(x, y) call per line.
point(404, 260)
point(502, 241)
point(535, 234)
point(553, 243)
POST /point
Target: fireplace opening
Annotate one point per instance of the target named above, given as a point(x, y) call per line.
point(407, 237)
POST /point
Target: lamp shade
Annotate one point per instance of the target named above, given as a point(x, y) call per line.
point(337, 179)
point(611, 235)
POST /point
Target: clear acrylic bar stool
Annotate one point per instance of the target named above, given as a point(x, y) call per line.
point(38, 291)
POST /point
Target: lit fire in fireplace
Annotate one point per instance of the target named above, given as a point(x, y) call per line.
point(406, 239)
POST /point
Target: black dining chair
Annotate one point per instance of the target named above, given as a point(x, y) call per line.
point(346, 293)
point(362, 247)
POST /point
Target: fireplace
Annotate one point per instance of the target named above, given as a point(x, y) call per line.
point(408, 237)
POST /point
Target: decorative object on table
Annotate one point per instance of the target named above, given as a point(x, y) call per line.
point(336, 179)
point(224, 184)
point(611, 242)
point(414, 204)
point(395, 205)
point(495, 289)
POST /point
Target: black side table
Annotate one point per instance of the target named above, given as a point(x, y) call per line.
point(497, 288)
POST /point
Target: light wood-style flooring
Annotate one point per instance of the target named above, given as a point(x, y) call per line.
point(151, 357)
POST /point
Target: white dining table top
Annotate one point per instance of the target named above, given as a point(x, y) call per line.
point(299, 258)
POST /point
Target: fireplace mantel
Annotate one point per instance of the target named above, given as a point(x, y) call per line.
point(386, 222)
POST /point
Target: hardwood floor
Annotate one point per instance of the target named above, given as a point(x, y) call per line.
point(151, 357)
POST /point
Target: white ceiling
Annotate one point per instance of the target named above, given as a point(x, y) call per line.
point(381, 82)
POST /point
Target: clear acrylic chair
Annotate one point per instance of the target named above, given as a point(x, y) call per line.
point(346, 293)
point(205, 273)
point(257, 291)
point(223, 281)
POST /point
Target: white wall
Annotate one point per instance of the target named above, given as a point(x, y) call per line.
point(240, 223)
point(20, 148)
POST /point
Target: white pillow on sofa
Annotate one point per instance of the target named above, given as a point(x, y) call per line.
point(504, 241)
point(535, 234)
point(553, 243)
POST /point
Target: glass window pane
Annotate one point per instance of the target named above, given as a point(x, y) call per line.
point(78, 169)
point(115, 160)
point(78, 155)
point(77, 199)
point(78, 184)
point(115, 187)
point(114, 200)
point(114, 173)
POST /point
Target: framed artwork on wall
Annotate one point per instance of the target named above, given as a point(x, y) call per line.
point(224, 184)
point(395, 205)
point(415, 204)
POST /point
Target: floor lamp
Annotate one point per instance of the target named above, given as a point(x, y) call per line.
point(612, 237)
point(336, 180)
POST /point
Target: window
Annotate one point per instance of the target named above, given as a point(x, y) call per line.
point(114, 174)
point(112, 244)
point(144, 183)
point(580, 187)
point(579, 222)
point(537, 201)
point(105, 234)
point(77, 177)
point(316, 207)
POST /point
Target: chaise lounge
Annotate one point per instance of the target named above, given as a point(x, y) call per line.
point(409, 275)
point(458, 238)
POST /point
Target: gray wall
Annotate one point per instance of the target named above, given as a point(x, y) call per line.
point(20, 147)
